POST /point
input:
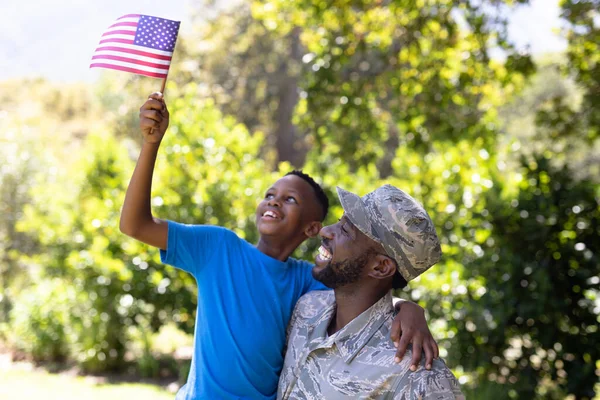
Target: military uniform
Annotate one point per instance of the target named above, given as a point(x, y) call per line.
point(357, 361)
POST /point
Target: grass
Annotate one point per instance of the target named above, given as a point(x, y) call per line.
point(21, 384)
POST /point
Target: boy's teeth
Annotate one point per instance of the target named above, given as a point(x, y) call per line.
point(269, 214)
point(324, 253)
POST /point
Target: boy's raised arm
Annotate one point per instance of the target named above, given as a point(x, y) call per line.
point(136, 216)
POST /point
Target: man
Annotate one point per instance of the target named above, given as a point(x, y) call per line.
point(338, 342)
point(246, 293)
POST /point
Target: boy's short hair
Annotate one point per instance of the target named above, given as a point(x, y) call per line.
point(321, 196)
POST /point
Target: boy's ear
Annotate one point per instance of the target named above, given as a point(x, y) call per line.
point(383, 267)
point(313, 229)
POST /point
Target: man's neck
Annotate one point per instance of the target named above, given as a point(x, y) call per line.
point(278, 248)
point(350, 303)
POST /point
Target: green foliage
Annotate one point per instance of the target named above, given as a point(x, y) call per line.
point(384, 75)
point(536, 320)
point(24, 160)
point(583, 33)
point(40, 320)
point(237, 62)
point(17, 175)
point(75, 221)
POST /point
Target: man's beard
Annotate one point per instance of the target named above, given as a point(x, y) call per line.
point(337, 274)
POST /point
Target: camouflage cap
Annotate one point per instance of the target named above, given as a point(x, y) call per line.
point(397, 221)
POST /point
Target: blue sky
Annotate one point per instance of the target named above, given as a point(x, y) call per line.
point(55, 38)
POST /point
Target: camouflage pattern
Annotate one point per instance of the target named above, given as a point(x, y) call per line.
point(391, 217)
point(356, 362)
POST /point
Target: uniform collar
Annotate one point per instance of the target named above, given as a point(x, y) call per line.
point(354, 336)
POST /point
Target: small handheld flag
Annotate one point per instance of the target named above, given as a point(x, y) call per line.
point(139, 44)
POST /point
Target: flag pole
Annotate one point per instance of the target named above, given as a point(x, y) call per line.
point(164, 82)
point(162, 91)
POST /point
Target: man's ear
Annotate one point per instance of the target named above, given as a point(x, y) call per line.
point(313, 229)
point(382, 268)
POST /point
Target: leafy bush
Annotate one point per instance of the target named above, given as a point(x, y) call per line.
point(40, 320)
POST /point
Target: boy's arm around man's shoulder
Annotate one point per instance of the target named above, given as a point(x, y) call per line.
point(137, 220)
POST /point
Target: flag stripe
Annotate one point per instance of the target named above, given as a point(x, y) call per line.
point(137, 56)
point(161, 55)
point(119, 32)
point(117, 40)
point(123, 66)
point(129, 69)
point(129, 16)
point(128, 20)
point(115, 32)
point(162, 70)
point(131, 61)
point(129, 38)
point(118, 24)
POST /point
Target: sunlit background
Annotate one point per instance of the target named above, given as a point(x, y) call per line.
point(487, 111)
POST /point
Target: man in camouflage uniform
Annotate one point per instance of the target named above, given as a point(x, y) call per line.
point(338, 342)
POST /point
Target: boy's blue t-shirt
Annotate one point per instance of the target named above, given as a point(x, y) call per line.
point(245, 301)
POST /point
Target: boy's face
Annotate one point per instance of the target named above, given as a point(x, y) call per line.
point(288, 206)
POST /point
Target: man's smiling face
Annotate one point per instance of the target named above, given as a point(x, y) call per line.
point(343, 254)
point(287, 207)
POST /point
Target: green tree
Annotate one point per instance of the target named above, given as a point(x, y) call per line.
point(73, 217)
point(536, 321)
point(385, 74)
point(251, 73)
point(29, 153)
point(583, 34)
point(21, 164)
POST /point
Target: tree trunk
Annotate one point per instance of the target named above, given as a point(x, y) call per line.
point(290, 147)
point(391, 145)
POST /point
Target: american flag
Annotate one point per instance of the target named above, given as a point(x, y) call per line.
point(138, 43)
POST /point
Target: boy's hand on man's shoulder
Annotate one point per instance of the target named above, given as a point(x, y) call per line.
point(154, 118)
point(410, 326)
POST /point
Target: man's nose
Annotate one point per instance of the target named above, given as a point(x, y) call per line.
point(327, 232)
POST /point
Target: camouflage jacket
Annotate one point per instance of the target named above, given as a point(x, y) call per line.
point(357, 361)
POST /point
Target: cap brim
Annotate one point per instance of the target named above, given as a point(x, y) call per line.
point(356, 212)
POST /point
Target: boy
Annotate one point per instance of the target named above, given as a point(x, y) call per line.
point(246, 293)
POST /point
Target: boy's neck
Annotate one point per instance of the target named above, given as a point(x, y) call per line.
point(277, 248)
